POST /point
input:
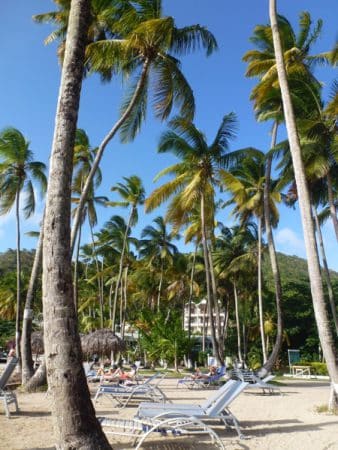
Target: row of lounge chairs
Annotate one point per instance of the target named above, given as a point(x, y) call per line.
point(180, 418)
point(157, 413)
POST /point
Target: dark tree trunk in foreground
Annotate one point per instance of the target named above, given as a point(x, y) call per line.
point(321, 315)
point(75, 424)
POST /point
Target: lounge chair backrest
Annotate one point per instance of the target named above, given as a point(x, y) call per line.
point(152, 378)
point(87, 367)
point(224, 400)
point(215, 396)
point(9, 369)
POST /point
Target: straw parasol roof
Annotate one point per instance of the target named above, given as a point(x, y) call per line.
point(102, 342)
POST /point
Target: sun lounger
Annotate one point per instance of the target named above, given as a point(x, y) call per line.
point(141, 429)
point(205, 382)
point(6, 396)
point(217, 407)
point(254, 382)
point(122, 395)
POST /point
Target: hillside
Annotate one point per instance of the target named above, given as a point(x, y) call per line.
point(8, 261)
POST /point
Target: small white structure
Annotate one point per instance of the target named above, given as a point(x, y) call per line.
point(199, 318)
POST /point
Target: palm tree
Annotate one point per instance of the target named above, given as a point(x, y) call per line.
point(305, 92)
point(324, 331)
point(245, 182)
point(83, 158)
point(194, 186)
point(234, 257)
point(133, 195)
point(17, 173)
point(134, 37)
point(75, 422)
point(104, 14)
point(157, 248)
point(113, 242)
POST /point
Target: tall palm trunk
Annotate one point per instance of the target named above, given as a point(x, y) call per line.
point(260, 298)
point(273, 261)
point(99, 278)
point(332, 204)
point(18, 278)
point(76, 269)
point(208, 282)
point(75, 424)
point(239, 351)
point(159, 291)
point(326, 271)
point(191, 291)
point(218, 327)
point(26, 348)
point(125, 300)
point(103, 145)
point(119, 276)
point(321, 315)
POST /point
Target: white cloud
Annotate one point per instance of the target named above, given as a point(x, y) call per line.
point(288, 241)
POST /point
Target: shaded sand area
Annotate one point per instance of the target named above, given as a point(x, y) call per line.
point(271, 422)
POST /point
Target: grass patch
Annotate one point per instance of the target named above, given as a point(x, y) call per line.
point(324, 409)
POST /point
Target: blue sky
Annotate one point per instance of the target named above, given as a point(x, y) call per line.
point(29, 83)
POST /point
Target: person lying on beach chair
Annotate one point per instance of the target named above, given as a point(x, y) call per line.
point(118, 374)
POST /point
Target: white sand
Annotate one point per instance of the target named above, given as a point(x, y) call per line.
point(271, 422)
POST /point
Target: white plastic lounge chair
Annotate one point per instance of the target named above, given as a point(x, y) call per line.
point(206, 382)
point(142, 428)
point(122, 395)
point(217, 408)
point(254, 382)
point(6, 396)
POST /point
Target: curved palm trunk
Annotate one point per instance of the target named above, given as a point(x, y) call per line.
point(274, 263)
point(333, 209)
point(207, 277)
point(75, 424)
point(322, 319)
point(26, 349)
point(18, 278)
point(119, 276)
point(326, 271)
point(239, 351)
point(104, 144)
point(260, 298)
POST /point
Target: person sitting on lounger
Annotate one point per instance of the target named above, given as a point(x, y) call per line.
point(116, 373)
point(199, 375)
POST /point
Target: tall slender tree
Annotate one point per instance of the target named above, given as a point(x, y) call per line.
point(17, 173)
point(196, 177)
point(74, 416)
point(246, 181)
point(323, 324)
point(133, 194)
point(158, 247)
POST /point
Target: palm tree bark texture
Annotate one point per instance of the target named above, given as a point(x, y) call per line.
point(321, 315)
point(75, 423)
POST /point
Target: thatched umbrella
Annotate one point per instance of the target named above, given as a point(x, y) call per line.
point(102, 342)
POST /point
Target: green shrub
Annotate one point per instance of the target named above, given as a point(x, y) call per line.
point(317, 368)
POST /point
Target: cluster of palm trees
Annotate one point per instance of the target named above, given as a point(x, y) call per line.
point(134, 39)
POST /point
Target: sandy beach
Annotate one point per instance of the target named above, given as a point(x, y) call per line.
point(270, 422)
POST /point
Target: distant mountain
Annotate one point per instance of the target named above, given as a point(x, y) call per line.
point(8, 261)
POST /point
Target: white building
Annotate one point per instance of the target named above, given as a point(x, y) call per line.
point(199, 318)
